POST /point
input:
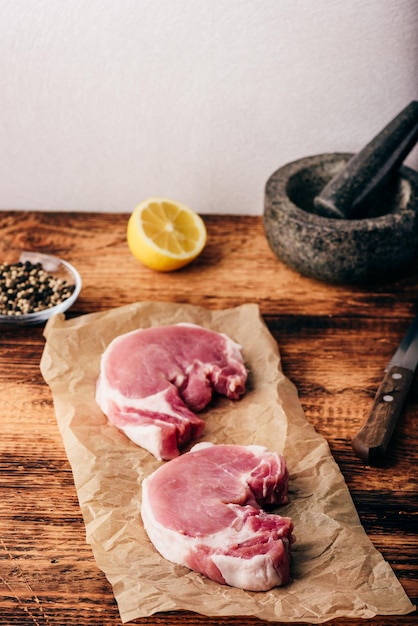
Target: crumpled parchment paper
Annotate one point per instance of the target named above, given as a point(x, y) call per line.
point(335, 568)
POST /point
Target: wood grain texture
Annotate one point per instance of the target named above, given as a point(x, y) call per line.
point(334, 343)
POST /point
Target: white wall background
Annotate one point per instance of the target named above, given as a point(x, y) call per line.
point(106, 102)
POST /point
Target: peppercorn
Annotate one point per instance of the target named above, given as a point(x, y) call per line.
point(27, 288)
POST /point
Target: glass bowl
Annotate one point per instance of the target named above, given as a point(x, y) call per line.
point(56, 268)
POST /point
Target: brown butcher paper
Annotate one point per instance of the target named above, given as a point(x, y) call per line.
point(336, 571)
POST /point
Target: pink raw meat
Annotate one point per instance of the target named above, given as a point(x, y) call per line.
point(153, 381)
point(203, 510)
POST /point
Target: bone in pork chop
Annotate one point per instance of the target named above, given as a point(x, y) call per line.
point(153, 381)
point(204, 510)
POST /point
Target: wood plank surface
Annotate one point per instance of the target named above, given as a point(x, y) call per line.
point(334, 343)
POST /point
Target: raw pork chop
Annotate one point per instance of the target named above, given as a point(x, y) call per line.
point(204, 510)
point(153, 381)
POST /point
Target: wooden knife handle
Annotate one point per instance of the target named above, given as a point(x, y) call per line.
point(371, 442)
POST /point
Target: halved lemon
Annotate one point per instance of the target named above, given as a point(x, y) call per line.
point(165, 234)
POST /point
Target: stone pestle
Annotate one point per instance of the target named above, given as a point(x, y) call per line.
point(350, 193)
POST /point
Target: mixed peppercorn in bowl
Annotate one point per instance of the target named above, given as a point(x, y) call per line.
point(35, 287)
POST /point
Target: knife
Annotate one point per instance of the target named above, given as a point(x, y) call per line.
point(371, 442)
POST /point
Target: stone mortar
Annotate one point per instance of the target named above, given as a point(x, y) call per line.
point(374, 248)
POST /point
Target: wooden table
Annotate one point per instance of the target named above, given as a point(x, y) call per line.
point(334, 341)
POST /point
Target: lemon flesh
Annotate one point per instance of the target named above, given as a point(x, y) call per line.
point(165, 235)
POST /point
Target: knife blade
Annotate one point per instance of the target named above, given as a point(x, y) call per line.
point(371, 442)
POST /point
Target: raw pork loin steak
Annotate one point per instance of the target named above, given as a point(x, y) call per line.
point(204, 510)
point(153, 381)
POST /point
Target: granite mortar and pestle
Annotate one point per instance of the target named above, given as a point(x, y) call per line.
point(345, 218)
